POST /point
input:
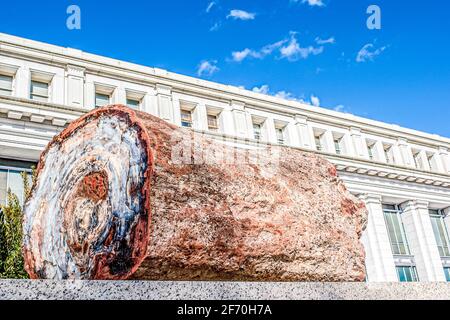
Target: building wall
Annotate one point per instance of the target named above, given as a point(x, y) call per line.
point(414, 173)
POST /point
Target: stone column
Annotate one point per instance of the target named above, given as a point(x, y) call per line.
point(421, 240)
point(398, 158)
point(359, 144)
point(150, 103)
point(119, 96)
point(303, 132)
point(445, 159)
point(380, 264)
point(379, 152)
point(200, 117)
point(22, 82)
point(227, 121)
point(347, 145)
point(447, 220)
point(405, 153)
point(293, 138)
point(165, 106)
point(241, 120)
point(271, 135)
point(328, 142)
point(75, 86)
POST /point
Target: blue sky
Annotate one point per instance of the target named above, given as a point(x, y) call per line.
point(298, 49)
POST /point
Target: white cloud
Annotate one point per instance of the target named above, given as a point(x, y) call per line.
point(287, 96)
point(368, 53)
point(238, 56)
point(293, 51)
point(318, 3)
point(241, 15)
point(315, 101)
point(207, 68)
point(215, 27)
point(325, 41)
point(313, 3)
point(288, 48)
point(339, 108)
point(209, 7)
point(264, 89)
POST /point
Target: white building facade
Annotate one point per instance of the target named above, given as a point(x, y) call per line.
point(402, 175)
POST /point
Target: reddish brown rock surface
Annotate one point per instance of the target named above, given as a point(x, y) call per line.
point(212, 212)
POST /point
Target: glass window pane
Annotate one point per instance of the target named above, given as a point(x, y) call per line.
point(101, 100)
point(39, 88)
point(447, 274)
point(407, 274)
point(186, 118)
point(401, 274)
point(257, 131)
point(396, 231)
point(440, 233)
point(132, 103)
point(15, 184)
point(280, 135)
point(3, 186)
point(212, 122)
point(6, 82)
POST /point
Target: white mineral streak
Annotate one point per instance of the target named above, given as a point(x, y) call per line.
point(61, 216)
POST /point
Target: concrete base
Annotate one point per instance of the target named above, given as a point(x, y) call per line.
point(177, 290)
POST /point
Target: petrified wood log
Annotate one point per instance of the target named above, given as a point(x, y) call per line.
point(122, 194)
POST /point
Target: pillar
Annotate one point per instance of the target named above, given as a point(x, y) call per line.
point(421, 240)
point(380, 264)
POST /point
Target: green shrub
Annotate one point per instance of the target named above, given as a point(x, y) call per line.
point(11, 235)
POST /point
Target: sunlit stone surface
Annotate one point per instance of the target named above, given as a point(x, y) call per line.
point(124, 194)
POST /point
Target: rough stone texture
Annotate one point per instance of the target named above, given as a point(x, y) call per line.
point(271, 213)
point(200, 290)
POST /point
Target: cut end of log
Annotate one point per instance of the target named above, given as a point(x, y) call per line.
point(88, 216)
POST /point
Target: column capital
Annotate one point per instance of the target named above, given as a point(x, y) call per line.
point(163, 89)
point(300, 119)
point(370, 198)
point(237, 105)
point(75, 70)
point(443, 150)
point(415, 204)
point(355, 131)
point(402, 142)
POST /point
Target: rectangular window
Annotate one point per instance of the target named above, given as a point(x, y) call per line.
point(396, 231)
point(389, 155)
point(39, 91)
point(6, 85)
point(337, 145)
point(280, 135)
point(133, 103)
point(318, 141)
point(440, 232)
point(257, 131)
point(407, 273)
point(186, 118)
point(11, 180)
point(370, 150)
point(102, 100)
point(447, 273)
point(430, 158)
point(213, 123)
